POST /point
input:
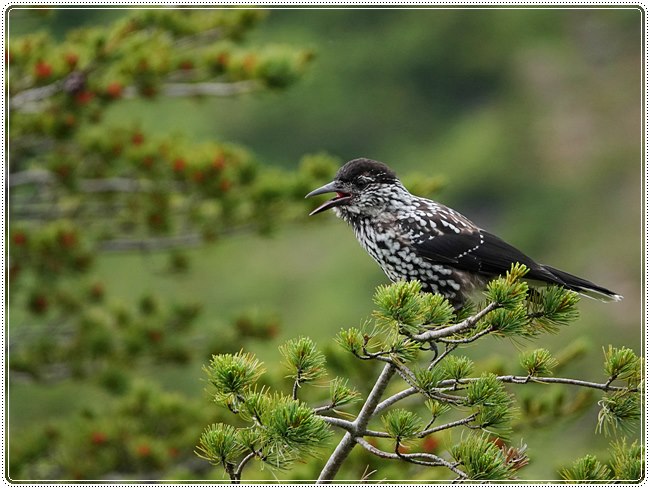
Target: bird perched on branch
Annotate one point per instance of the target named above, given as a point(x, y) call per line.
point(413, 238)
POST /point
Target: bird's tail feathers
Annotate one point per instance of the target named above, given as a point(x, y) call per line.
point(582, 286)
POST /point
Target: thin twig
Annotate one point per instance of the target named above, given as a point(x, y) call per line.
point(435, 461)
point(520, 379)
point(438, 359)
point(467, 340)
point(244, 461)
point(446, 426)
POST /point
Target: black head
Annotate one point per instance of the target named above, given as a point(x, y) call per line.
point(355, 180)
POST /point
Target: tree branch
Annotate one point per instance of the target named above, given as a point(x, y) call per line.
point(435, 461)
point(340, 423)
point(446, 426)
point(394, 398)
point(520, 379)
point(468, 323)
point(209, 89)
point(346, 445)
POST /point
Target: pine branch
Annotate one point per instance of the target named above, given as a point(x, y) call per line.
point(456, 328)
point(434, 460)
point(446, 426)
point(340, 423)
point(346, 445)
point(520, 379)
point(30, 100)
point(385, 404)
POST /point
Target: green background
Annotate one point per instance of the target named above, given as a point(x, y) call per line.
point(530, 117)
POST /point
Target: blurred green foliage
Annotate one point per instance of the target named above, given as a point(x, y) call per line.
point(528, 121)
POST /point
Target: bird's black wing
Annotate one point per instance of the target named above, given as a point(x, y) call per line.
point(477, 251)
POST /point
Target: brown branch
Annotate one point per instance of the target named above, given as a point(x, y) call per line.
point(433, 460)
point(520, 379)
point(468, 323)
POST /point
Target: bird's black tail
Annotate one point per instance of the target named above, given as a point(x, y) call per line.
point(583, 286)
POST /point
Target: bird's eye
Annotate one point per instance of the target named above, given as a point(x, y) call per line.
point(362, 181)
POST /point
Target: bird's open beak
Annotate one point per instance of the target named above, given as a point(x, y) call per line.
point(341, 197)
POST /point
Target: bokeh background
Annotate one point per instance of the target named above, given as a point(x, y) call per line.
point(526, 120)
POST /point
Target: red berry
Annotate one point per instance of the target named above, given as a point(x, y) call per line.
point(225, 185)
point(20, 238)
point(38, 304)
point(14, 271)
point(250, 62)
point(186, 64)
point(155, 335)
point(71, 60)
point(68, 239)
point(155, 219)
point(147, 161)
point(42, 70)
point(179, 165)
point(403, 449)
point(143, 450)
point(63, 170)
point(84, 97)
point(198, 176)
point(223, 59)
point(97, 290)
point(219, 162)
point(148, 91)
point(69, 120)
point(137, 139)
point(114, 90)
point(98, 438)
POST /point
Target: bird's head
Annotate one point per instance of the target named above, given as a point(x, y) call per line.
point(361, 185)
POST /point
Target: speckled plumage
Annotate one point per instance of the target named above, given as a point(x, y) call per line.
point(412, 237)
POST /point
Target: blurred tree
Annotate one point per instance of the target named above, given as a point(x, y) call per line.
point(78, 187)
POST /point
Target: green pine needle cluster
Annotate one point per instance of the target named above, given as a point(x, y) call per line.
point(401, 424)
point(513, 321)
point(627, 461)
point(436, 408)
point(509, 291)
point(587, 468)
point(623, 364)
point(403, 305)
point(625, 465)
point(551, 307)
point(456, 367)
point(427, 380)
point(538, 362)
point(341, 394)
point(351, 340)
point(293, 426)
point(482, 459)
point(618, 411)
point(233, 375)
point(494, 405)
point(303, 360)
point(219, 444)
